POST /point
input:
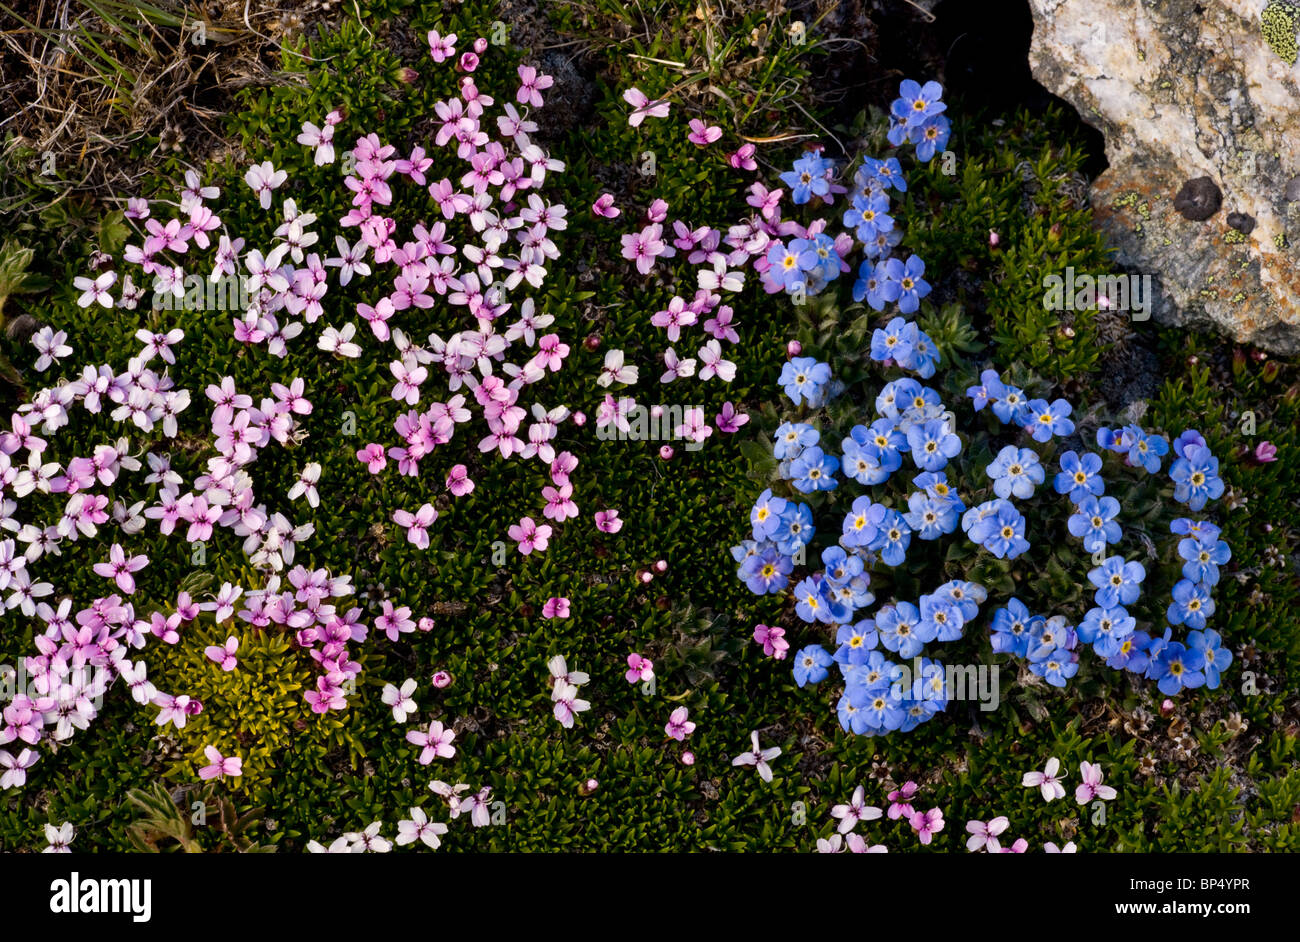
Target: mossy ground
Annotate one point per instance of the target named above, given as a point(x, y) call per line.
point(1218, 773)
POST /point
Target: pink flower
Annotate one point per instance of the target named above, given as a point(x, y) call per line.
point(458, 481)
point(604, 206)
point(417, 524)
point(688, 758)
point(607, 521)
point(372, 456)
point(900, 801)
point(1091, 786)
point(220, 766)
point(224, 657)
point(442, 680)
point(434, 744)
point(702, 135)
point(531, 85)
point(679, 726)
point(556, 607)
point(758, 757)
point(657, 212)
point(120, 568)
point(468, 61)
point(1265, 452)
point(394, 621)
point(643, 107)
point(645, 246)
point(729, 420)
point(743, 158)
point(666, 452)
point(773, 641)
point(530, 536)
point(1019, 847)
point(927, 824)
point(793, 349)
point(441, 48)
point(856, 810)
point(639, 669)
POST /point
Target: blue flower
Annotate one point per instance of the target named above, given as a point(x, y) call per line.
point(871, 285)
point(925, 356)
point(1047, 635)
point(1115, 440)
point(792, 438)
point(930, 138)
point(1002, 531)
point(943, 615)
point(1217, 659)
point(1201, 530)
point(905, 284)
point(1191, 606)
point(1057, 667)
point(808, 178)
point(810, 665)
point(935, 483)
point(899, 115)
point(901, 629)
point(814, 470)
point(811, 603)
point(1011, 628)
point(1080, 476)
point(1105, 629)
point(857, 642)
point(888, 443)
point(1118, 581)
point(765, 517)
point(1176, 667)
point(802, 378)
point(1010, 405)
point(894, 341)
point(1196, 477)
point(932, 444)
point(1132, 654)
point(818, 257)
point(967, 596)
point(880, 710)
point(862, 463)
point(840, 566)
point(921, 101)
point(895, 396)
point(862, 522)
point(1146, 450)
point(1203, 559)
point(784, 267)
point(886, 172)
point(1189, 437)
point(869, 215)
point(893, 536)
point(929, 517)
point(1043, 421)
point(1015, 471)
point(990, 388)
point(1094, 522)
point(767, 572)
point(796, 529)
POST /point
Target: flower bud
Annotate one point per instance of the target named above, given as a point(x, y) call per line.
point(666, 452)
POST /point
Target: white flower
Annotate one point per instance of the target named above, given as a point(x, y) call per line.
point(96, 290)
point(52, 346)
point(714, 365)
point(58, 838)
point(263, 178)
point(420, 828)
point(306, 484)
point(400, 699)
point(758, 757)
point(1046, 780)
point(615, 370)
point(856, 810)
point(676, 367)
point(340, 341)
point(1051, 848)
point(369, 840)
point(719, 278)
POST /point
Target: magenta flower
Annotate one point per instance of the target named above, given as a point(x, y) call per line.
point(394, 621)
point(679, 725)
point(639, 669)
point(743, 158)
point(643, 107)
point(372, 456)
point(927, 824)
point(773, 641)
point(220, 766)
point(120, 568)
point(1265, 452)
point(604, 206)
point(530, 536)
point(559, 503)
point(901, 801)
point(468, 61)
point(417, 524)
point(224, 657)
point(702, 135)
point(729, 420)
point(607, 521)
point(556, 607)
point(435, 743)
